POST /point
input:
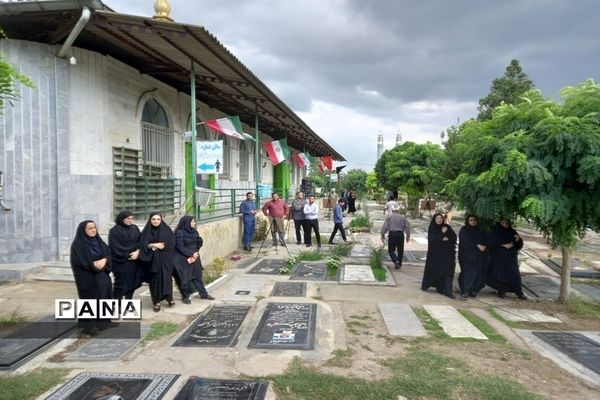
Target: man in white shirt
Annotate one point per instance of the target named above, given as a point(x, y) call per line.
point(311, 215)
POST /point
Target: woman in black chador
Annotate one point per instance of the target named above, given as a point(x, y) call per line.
point(471, 256)
point(441, 252)
point(188, 267)
point(123, 241)
point(352, 203)
point(90, 262)
point(504, 276)
point(157, 248)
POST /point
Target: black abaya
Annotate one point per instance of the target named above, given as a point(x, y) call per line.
point(504, 274)
point(122, 241)
point(470, 258)
point(159, 263)
point(188, 242)
point(440, 263)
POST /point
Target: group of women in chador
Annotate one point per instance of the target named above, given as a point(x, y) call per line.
point(156, 255)
point(484, 259)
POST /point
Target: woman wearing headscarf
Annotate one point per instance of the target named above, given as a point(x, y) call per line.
point(504, 275)
point(123, 241)
point(157, 247)
point(471, 249)
point(90, 262)
point(188, 267)
point(441, 252)
point(352, 203)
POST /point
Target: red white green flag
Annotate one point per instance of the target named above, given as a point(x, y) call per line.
point(230, 126)
point(278, 151)
point(302, 160)
point(327, 161)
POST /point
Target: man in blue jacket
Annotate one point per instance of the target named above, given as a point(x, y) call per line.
point(248, 210)
point(338, 221)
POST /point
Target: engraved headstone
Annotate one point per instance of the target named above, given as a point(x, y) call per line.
point(106, 350)
point(97, 385)
point(219, 327)
point(22, 341)
point(286, 326)
point(577, 346)
point(268, 267)
point(289, 289)
point(541, 286)
point(309, 272)
point(358, 273)
point(222, 389)
point(242, 284)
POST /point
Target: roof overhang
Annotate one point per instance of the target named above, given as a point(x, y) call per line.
point(166, 51)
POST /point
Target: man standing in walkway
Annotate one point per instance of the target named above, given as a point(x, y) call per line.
point(248, 210)
point(338, 221)
point(311, 213)
point(298, 215)
point(397, 225)
point(276, 209)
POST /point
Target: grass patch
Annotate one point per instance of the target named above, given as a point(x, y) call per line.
point(341, 359)
point(583, 307)
point(357, 324)
point(483, 326)
point(306, 255)
point(420, 374)
point(31, 384)
point(15, 316)
point(363, 317)
point(159, 330)
point(342, 249)
point(380, 274)
point(430, 324)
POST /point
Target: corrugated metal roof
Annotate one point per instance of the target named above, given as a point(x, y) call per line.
point(165, 51)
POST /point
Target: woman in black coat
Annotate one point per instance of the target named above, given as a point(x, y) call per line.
point(188, 267)
point(504, 275)
point(441, 253)
point(471, 256)
point(123, 241)
point(157, 248)
point(352, 203)
point(90, 262)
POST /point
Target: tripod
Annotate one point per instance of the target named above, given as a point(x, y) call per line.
point(271, 222)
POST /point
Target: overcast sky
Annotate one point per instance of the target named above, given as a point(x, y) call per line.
point(355, 68)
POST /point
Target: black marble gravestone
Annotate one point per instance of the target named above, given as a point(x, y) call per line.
point(309, 272)
point(268, 267)
point(219, 327)
point(577, 346)
point(286, 326)
point(289, 289)
point(94, 386)
point(22, 341)
point(222, 389)
point(541, 286)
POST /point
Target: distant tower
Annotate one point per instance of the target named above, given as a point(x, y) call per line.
point(379, 145)
point(398, 139)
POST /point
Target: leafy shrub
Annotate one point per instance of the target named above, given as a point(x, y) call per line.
point(333, 263)
point(262, 226)
point(342, 249)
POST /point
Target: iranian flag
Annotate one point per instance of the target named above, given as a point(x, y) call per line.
point(278, 151)
point(230, 126)
point(302, 160)
point(328, 162)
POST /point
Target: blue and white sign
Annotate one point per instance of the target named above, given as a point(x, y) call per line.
point(209, 157)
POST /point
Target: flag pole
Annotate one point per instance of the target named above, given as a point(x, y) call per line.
point(193, 126)
point(256, 156)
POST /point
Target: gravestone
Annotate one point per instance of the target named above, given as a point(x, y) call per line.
point(523, 315)
point(286, 326)
point(453, 323)
point(541, 286)
point(359, 251)
point(591, 291)
point(577, 346)
point(401, 320)
point(578, 269)
point(310, 272)
point(222, 389)
point(268, 267)
point(289, 289)
point(219, 327)
point(357, 273)
point(100, 349)
point(415, 256)
point(97, 385)
point(21, 341)
point(241, 284)
point(244, 263)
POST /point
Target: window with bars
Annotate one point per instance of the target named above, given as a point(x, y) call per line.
point(245, 160)
point(157, 137)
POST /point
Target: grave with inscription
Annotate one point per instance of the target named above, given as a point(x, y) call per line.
point(100, 349)
point(581, 348)
point(289, 289)
point(243, 263)
point(219, 327)
point(357, 273)
point(286, 326)
point(244, 288)
point(541, 286)
point(310, 272)
point(268, 267)
point(578, 268)
point(222, 389)
point(97, 385)
point(22, 341)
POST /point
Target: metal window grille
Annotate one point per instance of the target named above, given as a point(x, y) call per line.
point(244, 162)
point(157, 145)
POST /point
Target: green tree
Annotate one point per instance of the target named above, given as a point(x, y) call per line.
point(507, 89)
point(8, 77)
point(354, 180)
point(539, 160)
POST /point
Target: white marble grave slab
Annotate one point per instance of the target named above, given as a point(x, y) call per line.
point(420, 240)
point(401, 320)
point(521, 315)
point(524, 268)
point(453, 323)
point(358, 273)
point(536, 245)
point(244, 288)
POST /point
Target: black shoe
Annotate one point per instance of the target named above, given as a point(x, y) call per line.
point(282, 243)
point(473, 294)
point(330, 243)
point(208, 297)
point(449, 295)
point(298, 242)
point(186, 301)
point(309, 245)
point(522, 296)
point(502, 295)
point(246, 248)
point(464, 297)
point(397, 265)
